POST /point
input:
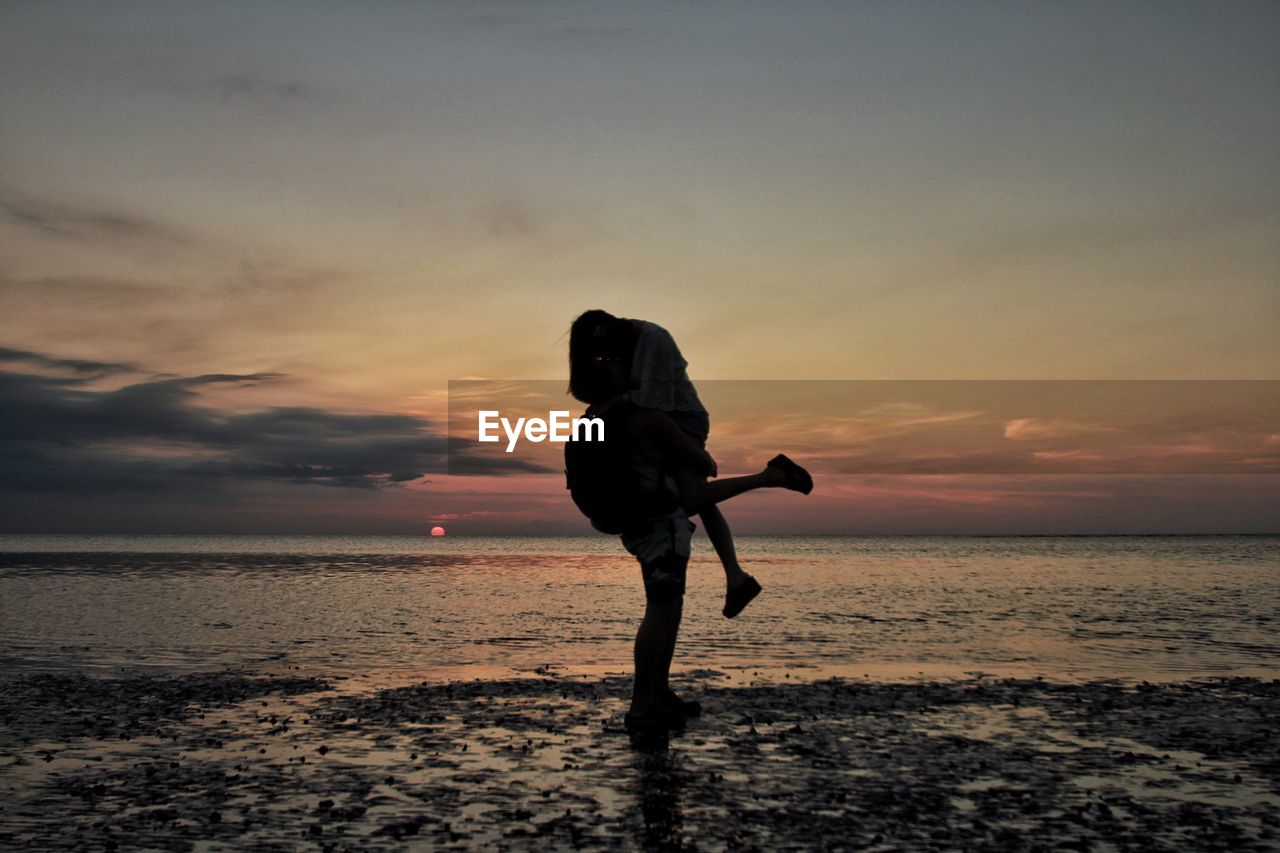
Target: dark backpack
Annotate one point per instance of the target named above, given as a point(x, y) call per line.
point(602, 480)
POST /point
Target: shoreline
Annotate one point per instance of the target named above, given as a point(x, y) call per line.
point(771, 673)
point(981, 763)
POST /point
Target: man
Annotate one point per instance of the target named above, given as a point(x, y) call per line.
point(643, 482)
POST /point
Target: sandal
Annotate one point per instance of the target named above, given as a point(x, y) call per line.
point(737, 598)
point(797, 479)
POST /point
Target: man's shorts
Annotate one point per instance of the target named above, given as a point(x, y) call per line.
point(661, 545)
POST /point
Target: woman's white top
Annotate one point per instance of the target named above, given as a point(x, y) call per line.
point(658, 377)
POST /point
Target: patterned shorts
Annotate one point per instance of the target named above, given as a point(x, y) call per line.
point(661, 545)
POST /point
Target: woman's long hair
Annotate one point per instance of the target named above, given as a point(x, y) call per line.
point(597, 342)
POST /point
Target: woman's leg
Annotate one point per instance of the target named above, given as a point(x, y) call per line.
point(697, 493)
point(713, 521)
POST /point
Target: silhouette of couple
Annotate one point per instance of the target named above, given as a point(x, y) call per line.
point(651, 473)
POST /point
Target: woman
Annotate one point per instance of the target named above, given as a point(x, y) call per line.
point(659, 380)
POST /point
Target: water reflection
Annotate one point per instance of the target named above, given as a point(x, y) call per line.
point(660, 783)
point(1074, 608)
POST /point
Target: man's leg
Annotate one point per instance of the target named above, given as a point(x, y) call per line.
point(664, 580)
point(655, 647)
point(673, 614)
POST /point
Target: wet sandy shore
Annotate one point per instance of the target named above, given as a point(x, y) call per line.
point(238, 760)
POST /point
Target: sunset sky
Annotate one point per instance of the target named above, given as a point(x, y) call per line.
point(245, 246)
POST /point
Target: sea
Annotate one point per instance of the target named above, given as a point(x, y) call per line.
point(394, 609)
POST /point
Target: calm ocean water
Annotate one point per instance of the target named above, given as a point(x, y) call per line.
point(394, 607)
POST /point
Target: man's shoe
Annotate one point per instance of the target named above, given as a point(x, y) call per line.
point(656, 718)
point(672, 703)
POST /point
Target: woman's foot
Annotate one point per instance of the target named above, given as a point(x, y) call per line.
point(794, 477)
point(738, 597)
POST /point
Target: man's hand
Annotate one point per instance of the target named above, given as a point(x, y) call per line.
point(674, 447)
point(713, 470)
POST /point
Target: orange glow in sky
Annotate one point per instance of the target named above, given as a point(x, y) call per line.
point(245, 247)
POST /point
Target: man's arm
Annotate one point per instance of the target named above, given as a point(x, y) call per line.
point(656, 429)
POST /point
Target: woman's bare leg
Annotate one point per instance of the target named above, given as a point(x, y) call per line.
point(697, 493)
point(713, 521)
point(699, 496)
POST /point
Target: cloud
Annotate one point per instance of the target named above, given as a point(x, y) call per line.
point(67, 221)
point(232, 86)
point(236, 89)
point(512, 218)
point(59, 434)
point(1020, 429)
point(1110, 235)
point(467, 464)
point(1134, 427)
point(82, 368)
point(83, 291)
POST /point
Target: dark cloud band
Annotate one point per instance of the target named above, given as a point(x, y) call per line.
point(59, 434)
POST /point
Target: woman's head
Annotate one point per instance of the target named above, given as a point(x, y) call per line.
point(600, 347)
